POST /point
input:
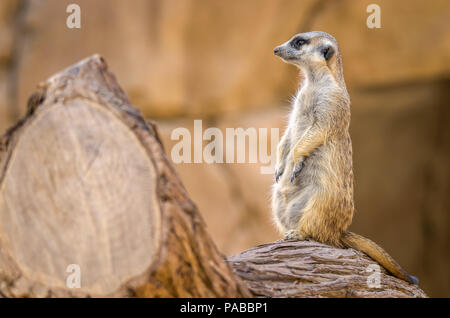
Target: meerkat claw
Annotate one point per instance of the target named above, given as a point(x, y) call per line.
point(298, 167)
point(278, 174)
point(292, 235)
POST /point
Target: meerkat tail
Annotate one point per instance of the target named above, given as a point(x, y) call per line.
point(378, 254)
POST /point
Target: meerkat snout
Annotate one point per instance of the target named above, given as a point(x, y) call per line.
point(277, 51)
point(285, 52)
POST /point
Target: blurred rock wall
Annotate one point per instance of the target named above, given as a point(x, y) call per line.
point(182, 60)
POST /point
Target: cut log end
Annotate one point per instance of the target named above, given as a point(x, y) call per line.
point(77, 178)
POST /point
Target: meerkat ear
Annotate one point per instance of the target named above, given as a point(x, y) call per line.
point(328, 52)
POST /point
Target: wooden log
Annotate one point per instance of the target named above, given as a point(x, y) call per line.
point(84, 180)
point(311, 269)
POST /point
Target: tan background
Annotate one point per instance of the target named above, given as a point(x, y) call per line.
point(182, 60)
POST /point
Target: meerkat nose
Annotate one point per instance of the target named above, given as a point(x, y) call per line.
point(276, 50)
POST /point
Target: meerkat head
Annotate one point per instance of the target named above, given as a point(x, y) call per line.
point(310, 49)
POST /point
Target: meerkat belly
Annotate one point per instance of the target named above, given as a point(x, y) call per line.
point(290, 199)
point(323, 190)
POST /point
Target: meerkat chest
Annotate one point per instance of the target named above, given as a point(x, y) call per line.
point(302, 116)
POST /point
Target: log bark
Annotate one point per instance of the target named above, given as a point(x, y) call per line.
point(311, 269)
point(85, 188)
point(84, 180)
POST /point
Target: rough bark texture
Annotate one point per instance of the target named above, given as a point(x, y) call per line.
point(311, 269)
point(84, 180)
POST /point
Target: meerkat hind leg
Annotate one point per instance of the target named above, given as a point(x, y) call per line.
point(293, 213)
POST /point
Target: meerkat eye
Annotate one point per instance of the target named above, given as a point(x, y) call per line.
point(297, 43)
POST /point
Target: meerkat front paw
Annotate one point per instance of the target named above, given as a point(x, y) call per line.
point(293, 235)
point(297, 168)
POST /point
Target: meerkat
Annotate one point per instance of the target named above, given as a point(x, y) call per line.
point(313, 192)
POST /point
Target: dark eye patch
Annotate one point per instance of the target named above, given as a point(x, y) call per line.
point(327, 52)
point(298, 42)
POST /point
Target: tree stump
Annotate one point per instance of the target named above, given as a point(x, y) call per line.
point(91, 206)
